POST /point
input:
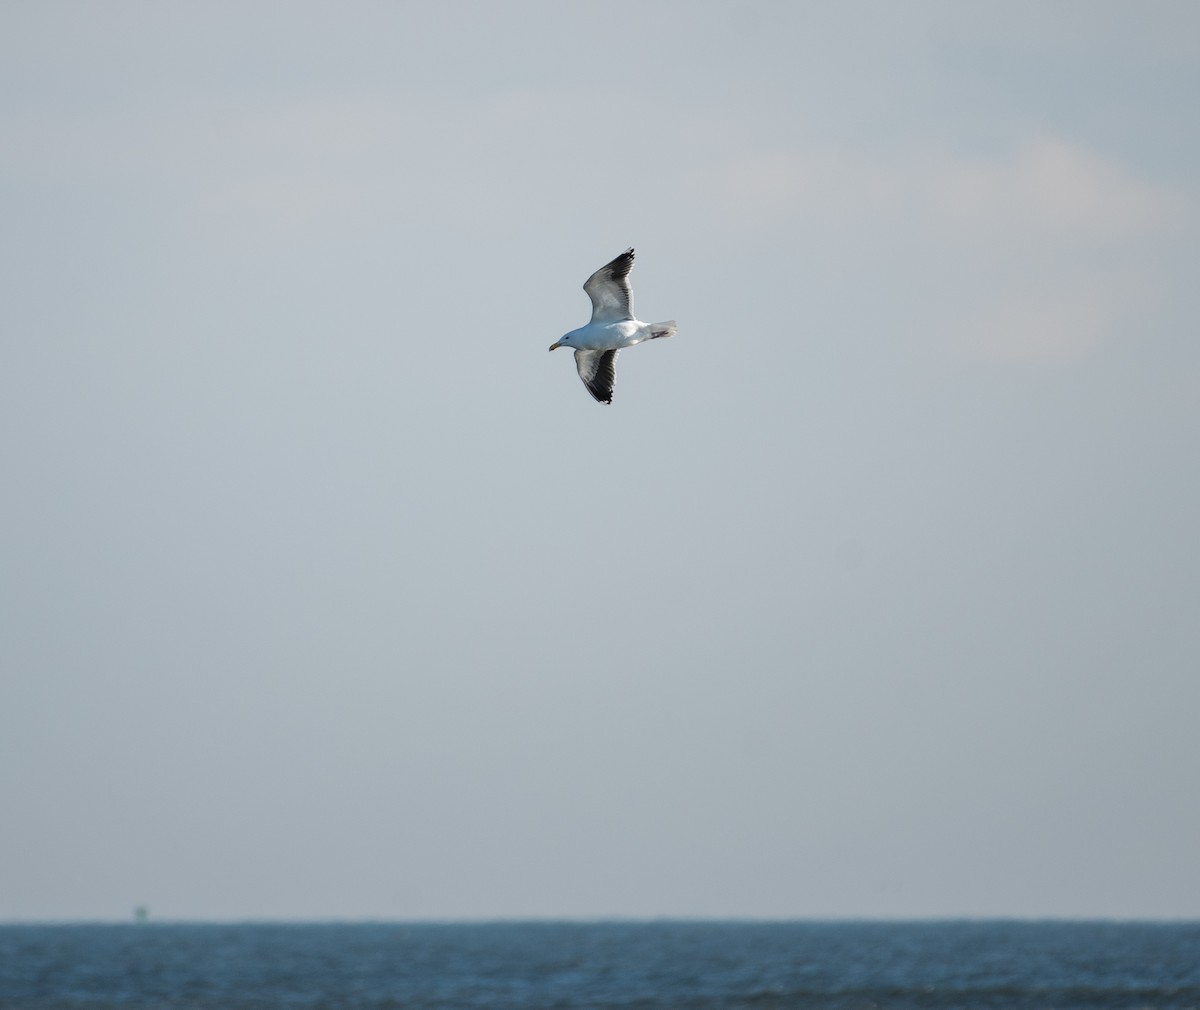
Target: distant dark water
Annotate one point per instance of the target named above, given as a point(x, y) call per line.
point(635, 966)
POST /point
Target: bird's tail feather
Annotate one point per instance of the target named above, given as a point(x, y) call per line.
point(666, 329)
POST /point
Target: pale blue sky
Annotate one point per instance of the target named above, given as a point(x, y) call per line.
point(326, 592)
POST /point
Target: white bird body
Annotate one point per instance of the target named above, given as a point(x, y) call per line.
point(612, 327)
point(608, 336)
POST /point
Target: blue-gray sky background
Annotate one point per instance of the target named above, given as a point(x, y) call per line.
point(327, 592)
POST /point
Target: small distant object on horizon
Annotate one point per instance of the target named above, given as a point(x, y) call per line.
point(141, 914)
point(612, 327)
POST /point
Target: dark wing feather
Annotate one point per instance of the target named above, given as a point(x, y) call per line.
point(597, 369)
point(608, 288)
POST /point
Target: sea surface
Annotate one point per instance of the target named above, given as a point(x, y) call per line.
point(637, 966)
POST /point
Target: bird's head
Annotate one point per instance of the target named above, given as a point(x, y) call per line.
point(563, 341)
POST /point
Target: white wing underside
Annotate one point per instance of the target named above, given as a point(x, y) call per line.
point(608, 288)
point(597, 369)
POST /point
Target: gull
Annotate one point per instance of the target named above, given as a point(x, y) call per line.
point(613, 326)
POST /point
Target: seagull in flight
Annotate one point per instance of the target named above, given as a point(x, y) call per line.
point(613, 326)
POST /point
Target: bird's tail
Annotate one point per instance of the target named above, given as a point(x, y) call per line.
point(666, 329)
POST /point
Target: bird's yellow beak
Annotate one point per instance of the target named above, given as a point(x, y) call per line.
point(556, 343)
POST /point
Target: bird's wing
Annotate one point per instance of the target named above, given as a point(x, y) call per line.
point(597, 369)
point(608, 288)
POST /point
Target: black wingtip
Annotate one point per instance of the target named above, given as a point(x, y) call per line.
point(599, 393)
point(620, 266)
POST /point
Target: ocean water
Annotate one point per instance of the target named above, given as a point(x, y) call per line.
point(636, 966)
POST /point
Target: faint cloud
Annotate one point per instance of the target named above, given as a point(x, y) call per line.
point(1056, 250)
point(1047, 190)
point(288, 166)
point(1036, 254)
point(819, 185)
point(1051, 322)
point(353, 163)
point(281, 164)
